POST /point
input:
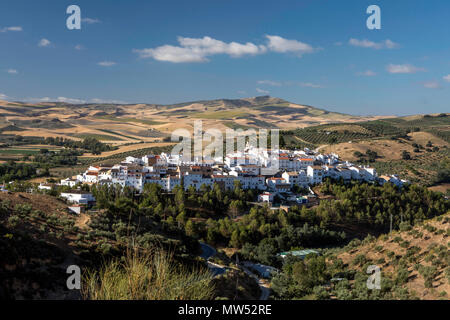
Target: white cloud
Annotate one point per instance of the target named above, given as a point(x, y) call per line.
point(403, 68)
point(431, 85)
point(279, 44)
point(172, 54)
point(73, 100)
point(270, 83)
point(199, 49)
point(58, 99)
point(44, 42)
point(210, 46)
point(97, 100)
point(387, 44)
point(70, 100)
point(90, 20)
point(310, 85)
point(12, 71)
point(79, 47)
point(3, 96)
point(106, 63)
point(262, 91)
point(446, 78)
point(6, 29)
point(367, 73)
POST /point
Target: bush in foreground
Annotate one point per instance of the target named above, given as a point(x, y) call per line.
point(153, 275)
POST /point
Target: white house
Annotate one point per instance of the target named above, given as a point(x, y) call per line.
point(224, 181)
point(45, 186)
point(344, 173)
point(394, 179)
point(68, 182)
point(278, 184)
point(266, 197)
point(252, 182)
point(315, 174)
point(298, 178)
point(78, 197)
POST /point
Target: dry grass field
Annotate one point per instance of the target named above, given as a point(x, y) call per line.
point(387, 149)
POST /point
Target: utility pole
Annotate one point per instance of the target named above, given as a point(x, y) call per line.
point(391, 224)
point(237, 278)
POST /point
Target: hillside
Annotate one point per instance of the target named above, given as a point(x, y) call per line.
point(415, 147)
point(416, 259)
point(39, 239)
point(413, 264)
point(150, 122)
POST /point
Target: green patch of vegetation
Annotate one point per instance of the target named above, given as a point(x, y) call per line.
point(226, 114)
point(116, 133)
point(101, 137)
point(24, 152)
point(143, 121)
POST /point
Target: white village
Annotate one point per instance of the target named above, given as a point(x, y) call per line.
point(273, 173)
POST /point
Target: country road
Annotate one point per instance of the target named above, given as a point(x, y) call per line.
point(316, 150)
point(265, 291)
point(208, 252)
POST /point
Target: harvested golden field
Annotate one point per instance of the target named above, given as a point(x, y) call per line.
point(443, 187)
point(386, 149)
point(422, 138)
point(127, 148)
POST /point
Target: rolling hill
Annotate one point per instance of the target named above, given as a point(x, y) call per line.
point(149, 122)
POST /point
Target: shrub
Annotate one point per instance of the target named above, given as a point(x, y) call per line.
point(405, 226)
point(398, 239)
point(402, 276)
point(152, 275)
point(23, 209)
point(13, 221)
point(405, 244)
point(321, 293)
point(359, 260)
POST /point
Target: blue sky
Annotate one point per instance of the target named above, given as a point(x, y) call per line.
point(312, 52)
